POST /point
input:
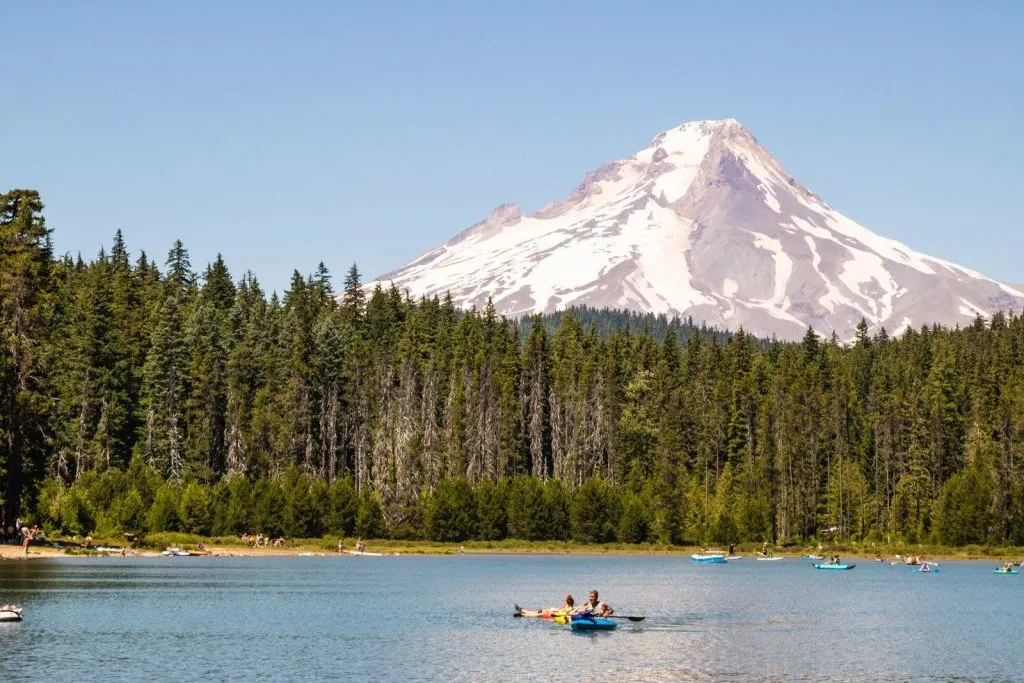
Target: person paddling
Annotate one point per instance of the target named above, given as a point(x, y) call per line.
point(594, 607)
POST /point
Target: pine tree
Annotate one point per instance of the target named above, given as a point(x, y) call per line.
point(25, 289)
point(165, 388)
point(353, 300)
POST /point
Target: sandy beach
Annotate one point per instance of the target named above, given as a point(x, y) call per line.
point(311, 547)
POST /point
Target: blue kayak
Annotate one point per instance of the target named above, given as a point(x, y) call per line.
point(585, 623)
point(834, 566)
point(708, 559)
point(1005, 571)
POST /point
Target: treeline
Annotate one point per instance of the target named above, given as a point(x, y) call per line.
point(296, 505)
point(143, 397)
point(608, 321)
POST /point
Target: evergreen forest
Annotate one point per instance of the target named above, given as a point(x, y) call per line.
point(144, 394)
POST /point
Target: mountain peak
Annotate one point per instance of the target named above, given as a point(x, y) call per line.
point(702, 222)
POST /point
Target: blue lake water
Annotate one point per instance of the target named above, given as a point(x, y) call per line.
point(416, 618)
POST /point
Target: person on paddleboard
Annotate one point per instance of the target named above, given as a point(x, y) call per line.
point(594, 607)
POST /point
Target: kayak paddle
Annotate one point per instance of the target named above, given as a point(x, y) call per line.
point(616, 616)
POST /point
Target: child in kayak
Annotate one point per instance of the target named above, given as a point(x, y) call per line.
point(594, 607)
point(550, 612)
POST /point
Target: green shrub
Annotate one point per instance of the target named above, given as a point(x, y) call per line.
point(369, 518)
point(556, 511)
point(163, 514)
point(635, 523)
point(451, 511)
point(526, 509)
point(492, 510)
point(595, 512)
point(194, 509)
point(342, 505)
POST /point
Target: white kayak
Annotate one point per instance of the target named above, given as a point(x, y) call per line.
point(770, 559)
point(361, 553)
point(10, 613)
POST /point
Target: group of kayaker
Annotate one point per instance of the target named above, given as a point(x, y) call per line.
point(594, 607)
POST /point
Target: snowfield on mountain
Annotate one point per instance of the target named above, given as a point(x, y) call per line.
point(702, 222)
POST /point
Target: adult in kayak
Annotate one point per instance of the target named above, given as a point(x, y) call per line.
point(566, 608)
point(594, 607)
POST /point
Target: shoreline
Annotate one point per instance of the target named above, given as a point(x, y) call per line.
point(324, 548)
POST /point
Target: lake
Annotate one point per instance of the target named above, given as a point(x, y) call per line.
point(449, 617)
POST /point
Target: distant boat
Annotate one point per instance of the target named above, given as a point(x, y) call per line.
point(813, 557)
point(361, 553)
point(708, 559)
point(10, 613)
point(175, 552)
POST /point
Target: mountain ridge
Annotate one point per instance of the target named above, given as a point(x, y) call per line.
point(702, 222)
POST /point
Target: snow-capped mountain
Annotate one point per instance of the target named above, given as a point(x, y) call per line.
point(702, 222)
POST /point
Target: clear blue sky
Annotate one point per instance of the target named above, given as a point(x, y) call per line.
point(283, 134)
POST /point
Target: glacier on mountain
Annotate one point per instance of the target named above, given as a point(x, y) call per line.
point(702, 222)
